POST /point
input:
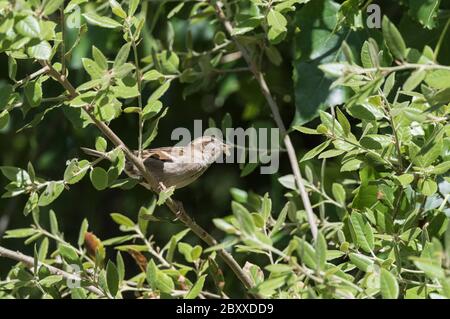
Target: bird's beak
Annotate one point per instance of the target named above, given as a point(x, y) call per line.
point(226, 149)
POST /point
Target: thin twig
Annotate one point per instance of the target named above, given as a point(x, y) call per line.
point(276, 115)
point(30, 77)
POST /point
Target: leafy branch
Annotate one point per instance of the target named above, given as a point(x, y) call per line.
point(275, 112)
point(176, 207)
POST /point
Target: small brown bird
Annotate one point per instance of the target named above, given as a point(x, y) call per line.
point(176, 165)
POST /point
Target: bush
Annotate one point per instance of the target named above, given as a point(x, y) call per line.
point(365, 208)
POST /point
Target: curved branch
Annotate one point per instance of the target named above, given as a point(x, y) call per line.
point(175, 206)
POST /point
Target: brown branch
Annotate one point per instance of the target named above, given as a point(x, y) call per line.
point(30, 77)
point(276, 115)
point(29, 262)
point(175, 206)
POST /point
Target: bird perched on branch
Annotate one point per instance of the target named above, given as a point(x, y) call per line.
point(175, 165)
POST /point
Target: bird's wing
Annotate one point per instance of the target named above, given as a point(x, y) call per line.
point(165, 154)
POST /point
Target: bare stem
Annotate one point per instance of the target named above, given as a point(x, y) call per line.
point(276, 115)
point(31, 76)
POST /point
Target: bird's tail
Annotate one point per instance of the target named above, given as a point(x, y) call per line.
point(95, 153)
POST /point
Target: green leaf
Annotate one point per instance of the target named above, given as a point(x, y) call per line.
point(331, 154)
point(158, 280)
point(276, 19)
point(164, 195)
point(363, 232)
point(306, 253)
point(4, 119)
point(31, 204)
point(169, 62)
point(12, 71)
point(99, 58)
point(441, 168)
point(405, 179)
point(266, 207)
point(20, 233)
point(186, 250)
point(175, 10)
point(427, 186)
point(51, 280)
point(346, 128)
point(244, 218)
point(112, 278)
point(269, 286)
point(273, 54)
point(83, 229)
point(438, 79)
point(54, 228)
point(68, 253)
point(280, 220)
point(196, 252)
point(288, 181)
point(365, 111)
point(116, 240)
point(51, 192)
point(78, 293)
point(278, 268)
point(331, 124)
point(120, 267)
point(33, 93)
point(151, 132)
point(52, 5)
point(123, 70)
point(430, 267)
point(92, 68)
point(362, 262)
point(196, 289)
point(321, 251)
point(122, 55)
point(316, 44)
point(224, 226)
point(117, 9)
point(414, 80)
point(43, 249)
point(101, 21)
point(394, 39)
point(375, 142)
point(100, 144)
point(152, 75)
point(424, 11)
point(158, 92)
point(338, 193)
point(315, 151)
point(388, 285)
point(99, 178)
point(5, 94)
point(28, 27)
point(132, 6)
point(277, 23)
point(75, 171)
point(40, 51)
point(15, 174)
point(122, 220)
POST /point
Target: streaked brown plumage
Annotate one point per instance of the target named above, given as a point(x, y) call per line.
point(178, 165)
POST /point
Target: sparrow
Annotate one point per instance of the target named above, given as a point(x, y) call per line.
point(176, 166)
